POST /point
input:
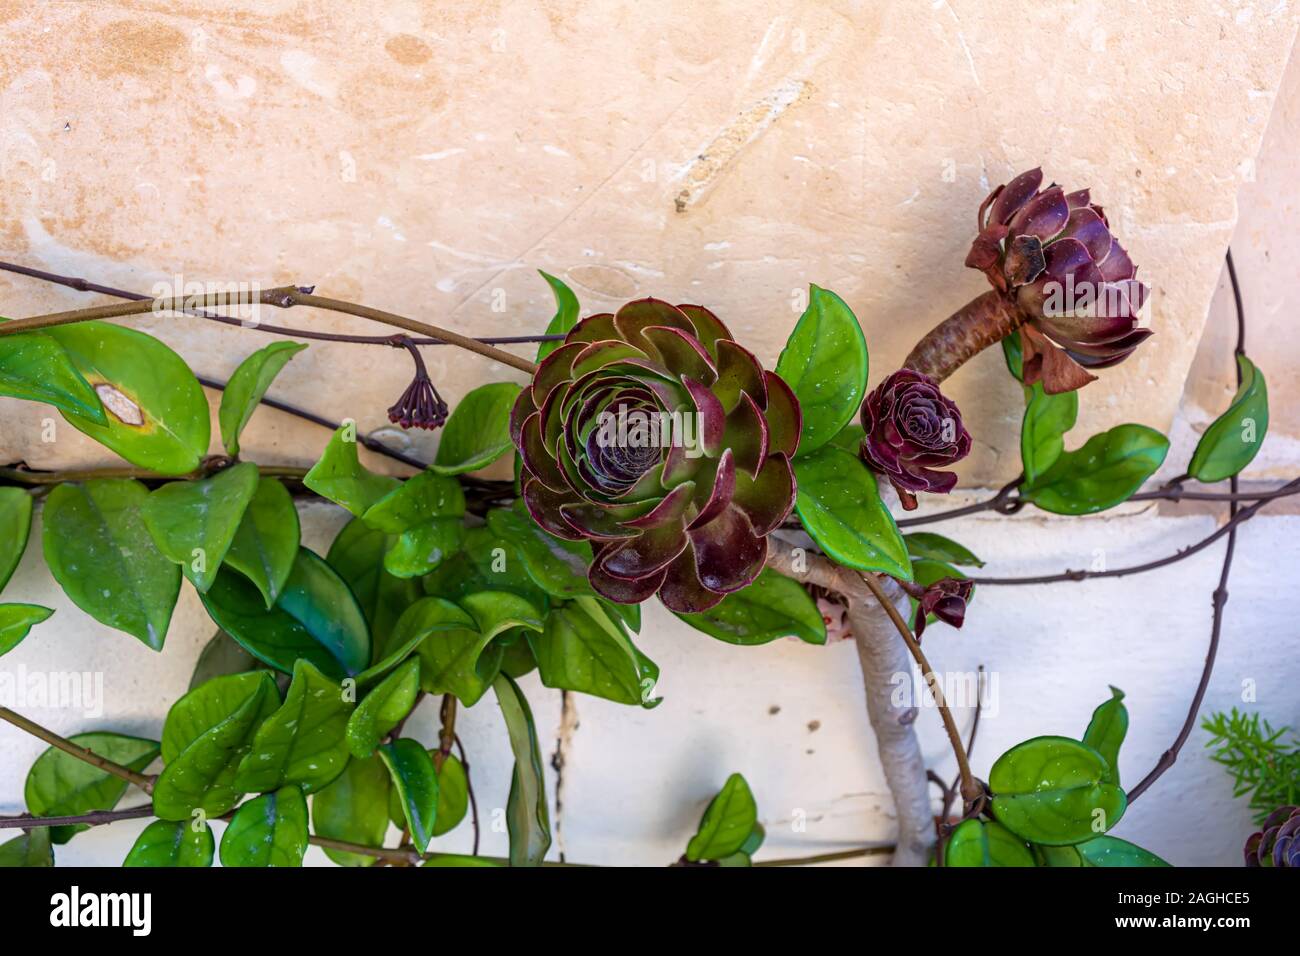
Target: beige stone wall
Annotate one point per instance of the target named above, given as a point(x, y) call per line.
point(428, 157)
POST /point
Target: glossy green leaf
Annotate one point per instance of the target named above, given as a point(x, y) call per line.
point(1106, 732)
point(453, 795)
point(266, 542)
point(98, 549)
point(340, 476)
point(630, 614)
point(246, 387)
point(528, 820)
point(28, 849)
point(478, 431)
point(486, 562)
point(411, 769)
point(173, 843)
point(1103, 473)
point(422, 618)
point(453, 660)
point(212, 702)
point(415, 502)
point(357, 554)
point(1042, 430)
point(16, 622)
point(354, 809)
point(1013, 352)
point(985, 843)
point(194, 522)
point(849, 438)
point(303, 742)
point(773, 606)
point(419, 550)
point(35, 367)
point(728, 821)
point(60, 785)
point(316, 617)
point(1050, 790)
point(383, 708)
point(1233, 439)
point(557, 567)
point(1112, 851)
point(157, 414)
point(15, 527)
point(201, 774)
point(839, 505)
point(270, 830)
point(583, 649)
point(566, 314)
point(825, 363)
point(925, 544)
point(517, 654)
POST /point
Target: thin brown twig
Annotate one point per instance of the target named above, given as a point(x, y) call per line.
point(143, 781)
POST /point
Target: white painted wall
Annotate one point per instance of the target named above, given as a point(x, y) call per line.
point(636, 781)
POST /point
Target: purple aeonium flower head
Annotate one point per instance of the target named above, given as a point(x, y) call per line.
point(912, 429)
point(946, 599)
point(1053, 254)
point(652, 435)
point(1277, 843)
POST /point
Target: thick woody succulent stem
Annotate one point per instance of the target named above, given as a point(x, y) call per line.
point(981, 322)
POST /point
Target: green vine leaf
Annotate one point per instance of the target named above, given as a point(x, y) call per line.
point(839, 505)
point(1106, 733)
point(825, 363)
point(270, 830)
point(527, 818)
point(17, 621)
point(357, 554)
point(1050, 790)
point(417, 501)
point(557, 567)
point(166, 843)
point(60, 785)
point(246, 387)
point(728, 821)
point(1042, 430)
point(31, 849)
point(985, 843)
point(206, 739)
point(15, 528)
point(340, 477)
point(266, 542)
point(354, 809)
point(98, 549)
point(411, 769)
point(458, 660)
point(316, 617)
point(222, 655)
point(478, 431)
point(1112, 851)
point(773, 606)
point(582, 648)
point(194, 522)
point(157, 414)
point(303, 742)
point(382, 709)
point(1233, 440)
point(33, 366)
point(453, 795)
point(935, 547)
point(1103, 473)
point(566, 314)
point(419, 550)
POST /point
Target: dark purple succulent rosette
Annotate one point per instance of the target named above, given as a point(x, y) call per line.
point(911, 430)
point(1277, 843)
point(1052, 253)
point(946, 599)
point(682, 511)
